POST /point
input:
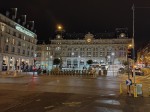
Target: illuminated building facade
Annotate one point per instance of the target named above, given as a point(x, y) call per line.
point(143, 55)
point(17, 45)
point(76, 52)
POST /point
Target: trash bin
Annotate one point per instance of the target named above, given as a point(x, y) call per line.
point(139, 89)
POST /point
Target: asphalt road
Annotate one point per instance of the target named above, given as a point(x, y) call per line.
point(68, 94)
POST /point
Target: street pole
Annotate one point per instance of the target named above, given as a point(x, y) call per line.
point(135, 88)
point(133, 8)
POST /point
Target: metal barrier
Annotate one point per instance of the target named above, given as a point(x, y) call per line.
point(74, 73)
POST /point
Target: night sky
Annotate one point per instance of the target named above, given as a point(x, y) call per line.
point(82, 16)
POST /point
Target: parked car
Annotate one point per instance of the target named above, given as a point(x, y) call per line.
point(138, 71)
point(121, 70)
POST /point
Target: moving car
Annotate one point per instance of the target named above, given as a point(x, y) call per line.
point(138, 71)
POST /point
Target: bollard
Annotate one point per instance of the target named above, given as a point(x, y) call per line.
point(135, 91)
point(120, 88)
point(15, 73)
point(149, 91)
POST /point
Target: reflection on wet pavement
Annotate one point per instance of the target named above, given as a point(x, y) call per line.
point(106, 109)
point(111, 102)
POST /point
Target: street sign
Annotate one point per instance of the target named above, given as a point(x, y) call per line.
point(128, 82)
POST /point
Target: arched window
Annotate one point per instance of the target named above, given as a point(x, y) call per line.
point(68, 63)
point(75, 63)
point(6, 48)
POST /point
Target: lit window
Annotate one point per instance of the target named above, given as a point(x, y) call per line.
point(13, 41)
point(7, 40)
point(24, 37)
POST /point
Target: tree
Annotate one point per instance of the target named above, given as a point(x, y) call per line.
point(56, 61)
point(126, 63)
point(89, 62)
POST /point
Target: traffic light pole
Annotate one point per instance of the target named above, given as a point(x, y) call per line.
point(128, 68)
point(133, 8)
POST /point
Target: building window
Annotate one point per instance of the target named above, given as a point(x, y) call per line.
point(32, 48)
point(18, 50)
point(89, 54)
point(88, 49)
point(69, 49)
point(31, 53)
point(6, 48)
point(23, 52)
point(68, 63)
point(14, 33)
point(24, 38)
point(75, 63)
point(13, 49)
point(47, 48)
point(24, 44)
point(13, 41)
point(28, 53)
point(19, 35)
point(75, 49)
point(69, 54)
point(19, 43)
point(81, 62)
point(38, 54)
point(7, 40)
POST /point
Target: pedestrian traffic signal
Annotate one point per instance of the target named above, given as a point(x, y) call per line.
point(130, 53)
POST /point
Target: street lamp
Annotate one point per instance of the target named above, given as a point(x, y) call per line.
point(112, 55)
point(60, 30)
point(133, 9)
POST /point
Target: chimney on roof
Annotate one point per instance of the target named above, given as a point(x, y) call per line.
point(14, 13)
point(7, 13)
point(24, 17)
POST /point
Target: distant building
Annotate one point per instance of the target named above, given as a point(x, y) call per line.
point(75, 52)
point(17, 45)
point(143, 55)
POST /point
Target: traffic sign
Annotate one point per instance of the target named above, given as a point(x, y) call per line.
point(128, 82)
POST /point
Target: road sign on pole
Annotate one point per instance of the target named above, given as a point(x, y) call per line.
point(128, 82)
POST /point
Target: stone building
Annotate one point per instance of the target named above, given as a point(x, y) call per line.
point(143, 55)
point(17, 45)
point(74, 53)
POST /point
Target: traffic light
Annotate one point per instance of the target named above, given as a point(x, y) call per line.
point(130, 53)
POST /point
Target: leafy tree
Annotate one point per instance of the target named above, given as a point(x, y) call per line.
point(125, 63)
point(89, 62)
point(56, 61)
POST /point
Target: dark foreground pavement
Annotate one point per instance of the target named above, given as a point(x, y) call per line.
point(25, 101)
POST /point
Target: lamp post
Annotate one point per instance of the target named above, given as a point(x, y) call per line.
point(60, 29)
point(133, 9)
point(129, 46)
point(112, 55)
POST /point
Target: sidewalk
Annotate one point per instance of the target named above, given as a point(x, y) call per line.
point(11, 74)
